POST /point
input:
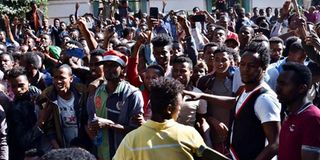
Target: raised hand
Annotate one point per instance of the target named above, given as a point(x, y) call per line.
point(152, 22)
point(183, 22)
point(77, 6)
point(285, 10)
point(6, 20)
point(109, 31)
point(313, 40)
point(164, 2)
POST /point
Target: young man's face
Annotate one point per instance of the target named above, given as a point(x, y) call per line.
point(96, 69)
point(276, 50)
point(208, 57)
point(297, 56)
point(222, 62)
point(45, 40)
point(245, 35)
point(150, 75)
point(112, 70)
point(219, 36)
point(250, 68)
point(6, 63)
point(19, 85)
point(162, 55)
point(286, 90)
point(198, 72)
point(62, 80)
point(182, 72)
point(2, 36)
point(63, 26)
point(176, 50)
point(56, 23)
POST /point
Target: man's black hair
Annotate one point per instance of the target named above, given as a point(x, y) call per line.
point(302, 74)
point(288, 43)
point(16, 72)
point(71, 15)
point(226, 49)
point(161, 40)
point(158, 68)
point(276, 40)
point(262, 50)
point(45, 34)
point(68, 154)
point(260, 38)
point(76, 43)
point(164, 93)
point(66, 66)
point(210, 45)
point(126, 31)
point(195, 8)
point(245, 26)
point(220, 28)
point(33, 59)
point(296, 46)
point(183, 59)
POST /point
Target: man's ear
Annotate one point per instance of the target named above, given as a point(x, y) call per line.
point(71, 78)
point(170, 109)
point(303, 88)
point(191, 72)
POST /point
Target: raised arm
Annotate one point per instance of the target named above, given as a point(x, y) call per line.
point(190, 44)
point(8, 30)
point(132, 72)
point(92, 43)
point(76, 11)
point(223, 101)
point(108, 33)
point(164, 3)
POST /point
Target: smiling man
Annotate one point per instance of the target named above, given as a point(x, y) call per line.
point(219, 83)
point(66, 101)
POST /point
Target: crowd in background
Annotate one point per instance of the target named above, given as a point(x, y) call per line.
point(246, 83)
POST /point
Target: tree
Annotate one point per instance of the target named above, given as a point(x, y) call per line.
point(18, 7)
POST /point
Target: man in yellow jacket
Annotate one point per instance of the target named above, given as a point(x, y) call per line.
point(162, 137)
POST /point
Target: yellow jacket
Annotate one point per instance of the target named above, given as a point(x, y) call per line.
point(164, 141)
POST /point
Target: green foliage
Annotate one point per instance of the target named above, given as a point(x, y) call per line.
point(19, 7)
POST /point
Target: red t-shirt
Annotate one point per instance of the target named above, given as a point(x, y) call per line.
point(300, 130)
point(134, 79)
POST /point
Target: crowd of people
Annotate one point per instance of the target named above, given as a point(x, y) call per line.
point(123, 85)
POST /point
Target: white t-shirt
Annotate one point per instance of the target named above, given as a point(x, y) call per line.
point(69, 119)
point(267, 107)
